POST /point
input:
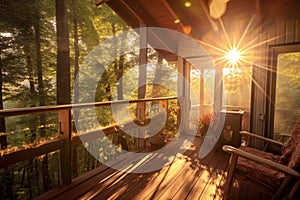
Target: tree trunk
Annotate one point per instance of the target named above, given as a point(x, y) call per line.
point(76, 89)
point(3, 139)
point(77, 53)
point(120, 71)
point(32, 91)
point(156, 89)
point(119, 76)
point(41, 97)
point(63, 79)
point(30, 75)
point(63, 54)
point(41, 89)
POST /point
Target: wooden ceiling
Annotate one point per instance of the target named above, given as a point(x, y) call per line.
point(196, 21)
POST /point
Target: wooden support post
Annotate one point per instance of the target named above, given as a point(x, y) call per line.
point(64, 131)
point(184, 92)
point(218, 89)
point(180, 82)
point(187, 95)
point(141, 106)
point(202, 87)
point(181, 91)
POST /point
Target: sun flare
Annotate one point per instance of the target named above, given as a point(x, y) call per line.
point(233, 56)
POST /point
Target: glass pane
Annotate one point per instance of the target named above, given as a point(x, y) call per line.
point(209, 88)
point(287, 104)
point(196, 86)
point(202, 91)
point(237, 91)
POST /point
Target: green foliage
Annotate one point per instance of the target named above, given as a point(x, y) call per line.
point(20, 70)
point(29, 79)
point(237, 86)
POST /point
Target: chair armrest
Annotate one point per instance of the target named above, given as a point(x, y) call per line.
point(284, 136)
point(263, 161)
point(247, 134)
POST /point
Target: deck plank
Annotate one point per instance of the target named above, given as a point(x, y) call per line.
point(130, 181)
point(221, 185)
point(211, 189)
point(202, 181)
point(196, 168)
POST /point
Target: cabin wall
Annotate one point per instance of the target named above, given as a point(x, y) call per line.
point(278, 33)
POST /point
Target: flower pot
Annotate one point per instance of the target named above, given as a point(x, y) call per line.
point(157, 141)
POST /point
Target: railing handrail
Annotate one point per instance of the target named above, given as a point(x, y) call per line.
point(30, 151)
point(55, 108)
point(244, 108)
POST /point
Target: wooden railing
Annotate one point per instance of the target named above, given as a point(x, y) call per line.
point(65, 140)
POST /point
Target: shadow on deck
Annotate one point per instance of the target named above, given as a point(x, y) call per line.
point(186, 178)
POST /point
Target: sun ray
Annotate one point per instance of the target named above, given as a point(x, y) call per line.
point(220, 61)
point(266, 68)
point(249, 44)
point(260, 88)
point(245, 32)
point(262, 42)
point(245, 51)
point(225, 33)
point(212, 46)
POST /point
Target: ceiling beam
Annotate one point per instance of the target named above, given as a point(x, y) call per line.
point(183, 23)
point(137, 10)
point(138, 14)
point(125, 14)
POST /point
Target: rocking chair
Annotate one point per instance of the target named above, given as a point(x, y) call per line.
point(273, 173)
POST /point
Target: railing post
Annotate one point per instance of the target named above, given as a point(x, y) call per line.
point(64, 131)
point(201, 94)
point(141, 115)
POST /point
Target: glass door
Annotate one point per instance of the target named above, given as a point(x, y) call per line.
point(283, 95)
point(287, 95)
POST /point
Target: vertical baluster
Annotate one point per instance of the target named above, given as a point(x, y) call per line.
point(64, 132)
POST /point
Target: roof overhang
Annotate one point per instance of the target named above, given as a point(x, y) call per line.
point(197, 20)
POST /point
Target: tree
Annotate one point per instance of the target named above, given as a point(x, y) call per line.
point(63, 76)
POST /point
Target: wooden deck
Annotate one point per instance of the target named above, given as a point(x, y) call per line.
point(186, 178)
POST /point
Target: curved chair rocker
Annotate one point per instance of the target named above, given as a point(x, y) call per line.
point(273, 173)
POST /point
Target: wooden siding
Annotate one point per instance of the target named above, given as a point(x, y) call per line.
point(281, 32)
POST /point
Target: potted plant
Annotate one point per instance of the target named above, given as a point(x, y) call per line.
point(158, 140)
point(168, 132)
point(203, 124)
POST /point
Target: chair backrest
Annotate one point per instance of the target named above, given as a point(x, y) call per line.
point(291, 144)
point(295, 159)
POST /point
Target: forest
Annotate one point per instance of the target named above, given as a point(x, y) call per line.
point(29, 60)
